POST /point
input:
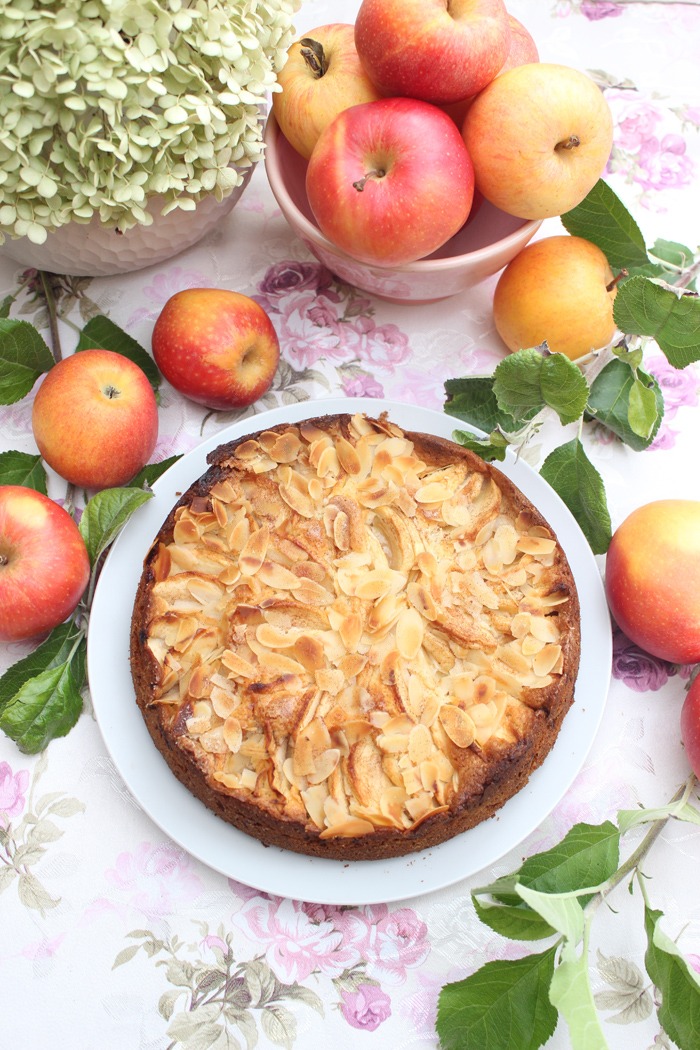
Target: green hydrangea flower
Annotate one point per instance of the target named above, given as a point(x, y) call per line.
point(106, 103)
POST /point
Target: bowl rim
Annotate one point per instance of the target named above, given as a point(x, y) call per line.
point(272, 132)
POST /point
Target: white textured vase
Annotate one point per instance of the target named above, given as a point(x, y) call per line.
point(94, 250)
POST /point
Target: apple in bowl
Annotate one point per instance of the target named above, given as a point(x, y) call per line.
point(390, 181)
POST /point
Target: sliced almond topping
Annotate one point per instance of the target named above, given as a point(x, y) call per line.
point(350, 630)
point(420, 806)
point(350, 828)
point(427, 563)
point(351, 665)
point(536, 545)
point(328, 462)
point(341, 531)
point(520, 625)
point(237, 665)
point(249, 779)
point(299, 502)
point(214, 742)
point(421, 599)
point(420, 744)
point(392, 743)
point(374, 584)
point(483, 714)
point(273, 661)
point(531, 645)
point(457, 724)
point(277, 577)
point(274, 638)
point(314, 799)
point(398, 724)
point(544, 628)
point(430, 709)
point(409, 633)
point(285, 448)
point(185, 531)
point(392, 802)
point(324, 765)
point(222, 702)
point(429, 776)
point(331, 680)
point(200, 683)
point(233, 734)
point(433, 492)
point(310, 652)
point(254, 551)
point(347, 456)
point(308, 592)
point(546, 660)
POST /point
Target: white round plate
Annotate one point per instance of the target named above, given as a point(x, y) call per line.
point(270, 869)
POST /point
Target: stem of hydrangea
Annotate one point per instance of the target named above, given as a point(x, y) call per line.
point(55, 340)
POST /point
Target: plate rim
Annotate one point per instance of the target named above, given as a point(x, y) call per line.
point(232, 853)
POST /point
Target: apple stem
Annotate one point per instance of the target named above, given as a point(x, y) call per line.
point(313, 54)
point(375, 173)
point(616, 280)
point(570, 143)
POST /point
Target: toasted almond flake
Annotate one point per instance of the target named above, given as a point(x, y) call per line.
point(237, 665)
point(314, 799)
point(544, 628)
point(205, 591)
point(457, 724)
point(308, 592)
point(350, 828)
point(331, 680)
point(514, 658)
point(316, 489)
point(213, 741)
point(351, 665)
point(297, 501)
point(233, 734)
point(374, 584)
point(520, 625)
point(274, 638)
point(273, 661)
point(328, 462)
point(546, 660)
point(324, 765)
point(391, 803)
point(185, 531)
point(416, 695)
point(227, 780)
point(429, 776)
point(350, 630)
point(341, 531)
point(249, 779)
point(536, 545)
point(409, 633)
point(285, 448)
point(200, 683)
point(483, 714)
point(277, 577)
point(421, 599)
point(253, 553)
point(427, 563)
point(222, 702)
point(309, 651)
point(392, 742)
point(347, 456)
point(531, 645)
point(420, 744)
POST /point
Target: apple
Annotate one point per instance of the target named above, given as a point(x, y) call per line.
point(652, 579)
point(322, 76)
point(217, 347)
point(95, 419)
point(432, 50)
point(522, 50)
point(539, 136)
point(690, 725)
point(44, 564)
point(559, 289)
point(390, 181)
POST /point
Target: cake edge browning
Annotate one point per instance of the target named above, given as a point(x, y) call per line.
point(507, 767)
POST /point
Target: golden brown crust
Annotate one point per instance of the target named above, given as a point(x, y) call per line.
point(353, 641)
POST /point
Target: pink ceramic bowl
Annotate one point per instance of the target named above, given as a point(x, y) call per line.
point(485, 244)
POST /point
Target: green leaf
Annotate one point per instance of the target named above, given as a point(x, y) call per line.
point(515, 921)
point(570, 992)
point(586, 856)
point(562, 912)
point(24, 356)
point(631, 818)
point(5, 305)
point(53, 651)
point(472, 399)
point(528, 381)
point(643, 411)
point(22, 468)
point(574, 478)
point(46, 706)
point(494, 447)
point(100, 333)
point(674, 260)
point(610, 398)
point(644, 308)
point(603, 219)
point(151, 472)
point(679, 1013)
point(503, 1006)
point(105, 514)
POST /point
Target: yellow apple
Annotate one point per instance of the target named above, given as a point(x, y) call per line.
point(322, 76)
point(95, 419)
point(652, 578)
point(539, 136)
point(557, 289)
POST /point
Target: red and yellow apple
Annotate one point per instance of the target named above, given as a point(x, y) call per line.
point(539, 136)
point(322, 76)
point(217, 347)
point(95, 419)
point(44, 564)
point(389, 182)
point(557, 289)
point(690, 725)
point(652, 579)
point(432, 50)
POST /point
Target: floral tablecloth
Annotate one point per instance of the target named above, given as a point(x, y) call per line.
point(114, 937)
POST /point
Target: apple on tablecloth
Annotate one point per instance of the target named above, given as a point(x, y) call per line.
point(391, 181)
point(95, 419)
point(44, 564)
point(216, 346)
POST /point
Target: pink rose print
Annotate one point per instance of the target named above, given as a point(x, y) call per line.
point(43, 949)
point(638, 670)
point(664, 164)
point(154, 879)
point(635, 121)
point(680, 386)
point(365, 1008)
point(12, 789)
point(362, 385)
point(304, 340)
point(389, 942)
point(162, 287)
point(290, 277)
point(594, 10)
point(385, 346)
point(295, 946)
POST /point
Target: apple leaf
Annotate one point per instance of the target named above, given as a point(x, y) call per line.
point(574, 478)
point(47, 705)
point(5, 305)
point(570, 992)
point(679, 1012)
point(494, 447)
point(151, 472)
point(603, 219)
point(644, 308)
point(562, 912)
point(631, 818)
point(529, 380)
point(586, 856)
point(24, 356)
point(100, 333)
point(516, 921)
point(668, 260)
point(502, 1006)
point(472, 399)
point(612, 402)
point(54, 650)
point(105, 514)
point(22, 468)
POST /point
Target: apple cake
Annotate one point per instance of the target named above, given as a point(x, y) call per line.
point(354, 641)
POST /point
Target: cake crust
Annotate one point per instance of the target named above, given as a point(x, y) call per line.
point(354, 641)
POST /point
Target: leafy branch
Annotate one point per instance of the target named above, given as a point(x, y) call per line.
point(41, 695)
point(516, 1005)
point(656, 300)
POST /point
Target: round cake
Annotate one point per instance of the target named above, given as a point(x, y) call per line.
point(354, 641)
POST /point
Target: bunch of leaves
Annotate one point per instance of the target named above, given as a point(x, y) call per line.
point(656, 300)
point(554, 897)
point(41, 695)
